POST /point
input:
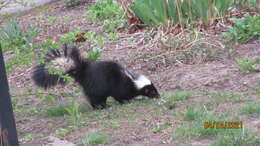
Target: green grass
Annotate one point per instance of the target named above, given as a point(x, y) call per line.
point(61, 132)
point(191, 114)
point(221, 95)
point(111, 124)
point(61, 110)
point(161, 127)
point(94, 138)
point(237, 138)
point(29, 137)
point(196, 128)
point(169, 98)
point(57, 111)
point(251, 109)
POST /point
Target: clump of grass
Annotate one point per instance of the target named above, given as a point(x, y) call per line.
point(222, 95)
point(169, 98)
point(178, 95)
point(94, 138)
point(251, 109)
point(247, 65)
point(237, 138)
point(57, 111)
point(61, 132)
point(94, 55)
point(196, 128)
point(191, 114)
point(74, 112)
point(62, 110)
point(160, 127)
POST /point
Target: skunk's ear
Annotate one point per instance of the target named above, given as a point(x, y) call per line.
point(53, 53)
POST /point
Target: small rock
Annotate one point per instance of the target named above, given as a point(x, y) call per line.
point(54, 141)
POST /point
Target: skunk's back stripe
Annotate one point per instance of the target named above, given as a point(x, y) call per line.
point(131, 75)
point(140, 81)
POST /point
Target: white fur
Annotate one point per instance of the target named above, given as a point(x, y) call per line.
point(62, 62)
point(142, 81)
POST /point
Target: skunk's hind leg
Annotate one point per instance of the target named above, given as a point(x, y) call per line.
point(98, 103)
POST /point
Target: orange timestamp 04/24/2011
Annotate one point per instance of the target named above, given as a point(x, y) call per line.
point(224, 124)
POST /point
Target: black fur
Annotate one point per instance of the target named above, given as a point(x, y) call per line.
point(99, 79)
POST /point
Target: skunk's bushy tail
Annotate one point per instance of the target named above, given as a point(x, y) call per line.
point(67, 60)
point(44, 79)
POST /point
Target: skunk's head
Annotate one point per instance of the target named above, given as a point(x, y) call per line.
point(145, 87)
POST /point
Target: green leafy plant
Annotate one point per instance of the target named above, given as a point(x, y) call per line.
point(113, 36)
point(19, 59)
point(57, 111)
point(107, 10)
point(183, 12)
point(13, 39)
point(94, 55)
point(247, 65)
point(50, 98)
point(245, 28)
point(14, 103)
point(42, 49)
point(94, 38)
point(70, 37)
point(75, 113)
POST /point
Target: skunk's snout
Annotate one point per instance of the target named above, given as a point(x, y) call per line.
point(154, 94)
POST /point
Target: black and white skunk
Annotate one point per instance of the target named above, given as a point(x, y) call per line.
point(99, 79)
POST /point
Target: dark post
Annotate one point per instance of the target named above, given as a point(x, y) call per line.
point(8, 135)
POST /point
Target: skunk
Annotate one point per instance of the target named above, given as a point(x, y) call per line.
point(99, 79)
